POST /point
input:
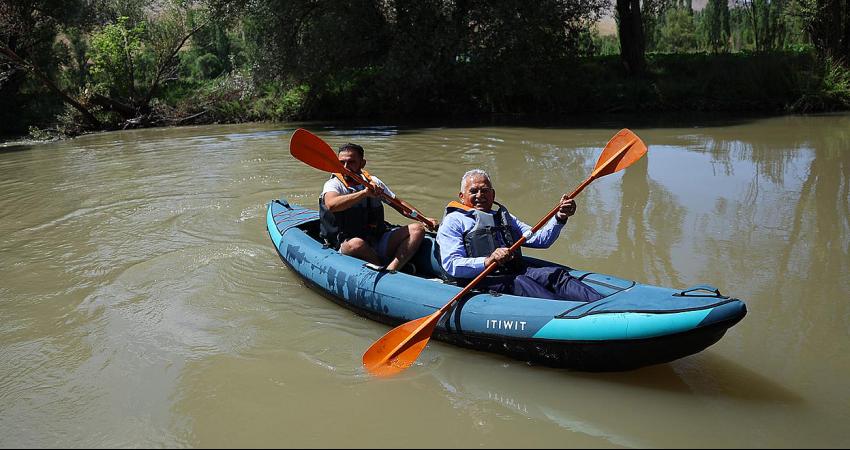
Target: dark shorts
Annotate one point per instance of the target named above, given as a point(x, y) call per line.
point(383, 243)
point(380, 244)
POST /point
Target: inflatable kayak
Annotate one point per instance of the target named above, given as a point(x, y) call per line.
point(634, 325)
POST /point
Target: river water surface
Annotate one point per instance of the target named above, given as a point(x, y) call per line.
point(142, 303)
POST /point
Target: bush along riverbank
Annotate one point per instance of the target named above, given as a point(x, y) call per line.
point(776, 83)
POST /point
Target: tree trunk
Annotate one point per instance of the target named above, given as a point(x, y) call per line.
point(846, 48)
point(632, 45)
point(109, 104)
point(830, 29)
point(164, 64)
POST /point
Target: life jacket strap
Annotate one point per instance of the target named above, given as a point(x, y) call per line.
point(341, 178)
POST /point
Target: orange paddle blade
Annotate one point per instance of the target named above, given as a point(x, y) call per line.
point(312, 150)
point(621, 151)
point(399, 348)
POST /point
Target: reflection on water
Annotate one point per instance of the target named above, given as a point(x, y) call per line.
point(650, 223)
point(143, 305)
point(593, 405)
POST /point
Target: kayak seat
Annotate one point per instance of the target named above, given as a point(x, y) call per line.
point(427, 259)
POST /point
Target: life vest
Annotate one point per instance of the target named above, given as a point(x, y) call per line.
point(364, 220)
point(491, 231)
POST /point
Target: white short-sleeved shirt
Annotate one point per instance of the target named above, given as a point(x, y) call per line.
point(335, 185)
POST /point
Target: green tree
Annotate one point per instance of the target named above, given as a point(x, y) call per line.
point(213, 50)
point(28, 30)
point(512, 42)
point(679, 32)
point(827, 23)
point(652, 13)
point(313, 38)
point(132, 60)
point(715, 25)
point(766, 21)
point(75, 60)
point(115, 51)
point(740, 29)
point(417, 54)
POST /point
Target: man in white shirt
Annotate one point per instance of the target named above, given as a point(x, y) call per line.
point(352, 216)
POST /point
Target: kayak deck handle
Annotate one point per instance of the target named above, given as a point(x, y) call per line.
point(700, 290)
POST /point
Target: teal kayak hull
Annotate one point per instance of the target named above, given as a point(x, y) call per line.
point(634, 325)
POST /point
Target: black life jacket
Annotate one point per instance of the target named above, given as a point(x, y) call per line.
point(490, 232)
point(364, 220)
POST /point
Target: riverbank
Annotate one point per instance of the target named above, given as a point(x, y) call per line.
point(775, 83)
point(763, 84)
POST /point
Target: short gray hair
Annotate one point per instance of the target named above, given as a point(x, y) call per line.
point(474, 173)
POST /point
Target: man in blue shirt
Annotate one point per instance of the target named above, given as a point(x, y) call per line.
point(473, 236)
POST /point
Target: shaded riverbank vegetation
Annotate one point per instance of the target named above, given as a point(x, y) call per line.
point(72, 66)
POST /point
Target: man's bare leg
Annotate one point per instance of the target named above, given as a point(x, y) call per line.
point(359, 248)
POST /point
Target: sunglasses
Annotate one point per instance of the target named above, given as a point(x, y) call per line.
point(475, 191)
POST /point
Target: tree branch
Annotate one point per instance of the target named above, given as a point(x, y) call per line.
point(165, 63)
